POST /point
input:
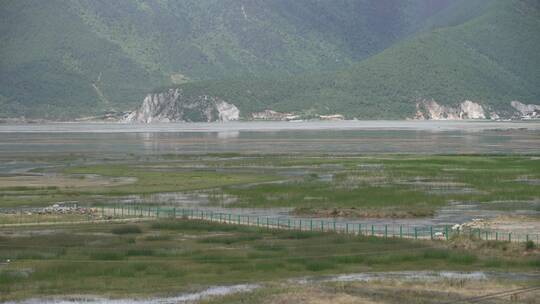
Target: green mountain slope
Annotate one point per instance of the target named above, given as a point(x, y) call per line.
point(66, 58)
point(491, 58)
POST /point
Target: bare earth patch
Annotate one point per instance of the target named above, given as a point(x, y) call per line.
point(394, 291)
point(522, 224)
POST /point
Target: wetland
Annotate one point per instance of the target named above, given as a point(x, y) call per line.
point(439, 174)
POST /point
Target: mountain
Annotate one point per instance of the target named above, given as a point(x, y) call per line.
point(66, 58)
point(489, 56)
point(62, 59)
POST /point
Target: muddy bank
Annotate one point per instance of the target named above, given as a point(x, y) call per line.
point(182, 298)
point(393, 280)
point(425, 276)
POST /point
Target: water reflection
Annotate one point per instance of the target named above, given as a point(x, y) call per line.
point(283, 141)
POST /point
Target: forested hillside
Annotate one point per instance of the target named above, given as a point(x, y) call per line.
point(491, 58)
point(62, 59)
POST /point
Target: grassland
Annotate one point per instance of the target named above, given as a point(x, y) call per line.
point(163, 257)
point(352, 186)
point(382, 291)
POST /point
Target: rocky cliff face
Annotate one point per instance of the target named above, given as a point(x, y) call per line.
point(431, 110)
point(173, 106)
point(527, 111)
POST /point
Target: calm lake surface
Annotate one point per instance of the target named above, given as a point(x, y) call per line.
point(272, 137)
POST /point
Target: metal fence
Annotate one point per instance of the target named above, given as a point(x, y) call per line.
point(391, 230)
point(322, 225)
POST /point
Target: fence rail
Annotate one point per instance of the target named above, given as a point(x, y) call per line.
point(323, 225)
point(292, 223)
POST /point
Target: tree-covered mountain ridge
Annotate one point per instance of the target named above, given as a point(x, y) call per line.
point(491, 60)
point(64, 59)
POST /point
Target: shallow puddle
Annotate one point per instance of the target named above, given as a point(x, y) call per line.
point(182, 298)
point(407, 276)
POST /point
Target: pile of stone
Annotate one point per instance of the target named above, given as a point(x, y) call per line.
point(474, 224)
point(54, 209)
point(60, 209)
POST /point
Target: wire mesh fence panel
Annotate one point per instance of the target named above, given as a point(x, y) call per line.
point(384, 230)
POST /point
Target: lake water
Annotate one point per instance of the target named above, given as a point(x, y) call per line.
point(272, 137)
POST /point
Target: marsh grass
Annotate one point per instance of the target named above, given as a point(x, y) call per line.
point(127, 229)
point(365, 185)
point(80, 258)
point(401, 185)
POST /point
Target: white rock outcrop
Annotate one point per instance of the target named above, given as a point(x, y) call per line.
point(431, 110)
point(227, 111)
point(173, 106)
point(471, 110)
point(526, 111)
point(272, 115)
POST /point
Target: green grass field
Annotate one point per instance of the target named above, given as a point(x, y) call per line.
point(160, 257)
point(353, 186)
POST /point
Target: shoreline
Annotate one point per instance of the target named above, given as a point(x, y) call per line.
point(269, 126)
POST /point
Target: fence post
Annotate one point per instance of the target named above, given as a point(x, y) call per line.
point(322, 226)
point(446, 231)
point(400, 231)
point(334, 226)
point(496, 235)
point(359, 229)
point(300, 224)
point(510, 237)
point(238, 219)
point(385, 231)
point(415, 233)
point(431, 231)
point(347, 228)
point(174, 212)
point(311, 225)
point(267, 223)
point(289, 224)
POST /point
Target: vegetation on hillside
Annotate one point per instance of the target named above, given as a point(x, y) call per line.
point(491, 59)
point(62, 59)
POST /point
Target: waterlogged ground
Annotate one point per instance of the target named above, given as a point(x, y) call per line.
point(396, 173)
point(500, 190)
point(173, 261)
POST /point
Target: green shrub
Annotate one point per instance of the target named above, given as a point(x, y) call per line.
point(463, 258)
point(436, 254)
point(352, 259)
point(140, 252)
point(318, 265)
point(107, 255)
point(127, 229)
point(228, 240)
point(157, 237)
